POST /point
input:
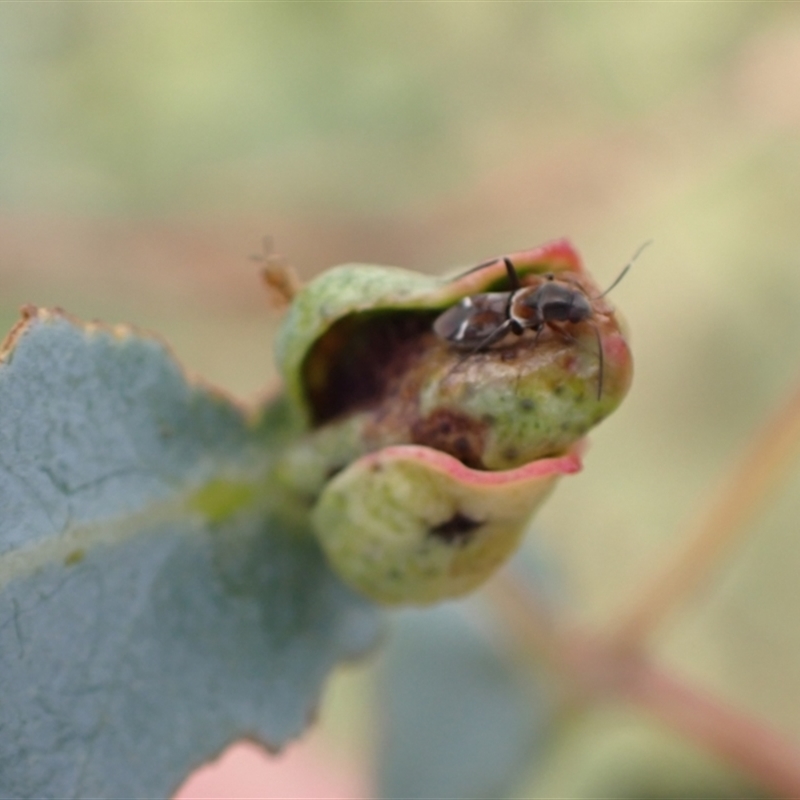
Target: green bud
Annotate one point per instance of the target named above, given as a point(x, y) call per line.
point(490, 427)
point(410, 524)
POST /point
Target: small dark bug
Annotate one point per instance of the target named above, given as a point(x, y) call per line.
point(480, 320)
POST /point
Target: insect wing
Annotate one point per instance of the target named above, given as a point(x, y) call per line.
point(471, 321)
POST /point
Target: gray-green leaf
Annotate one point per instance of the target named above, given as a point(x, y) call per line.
point(156, 600)
point(457, 719)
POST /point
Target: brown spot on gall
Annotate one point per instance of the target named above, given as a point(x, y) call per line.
point(454, 433)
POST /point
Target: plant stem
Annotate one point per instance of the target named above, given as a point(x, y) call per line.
point(615, 667)
point(741, 496)
point(597, 670)
point(745, 742)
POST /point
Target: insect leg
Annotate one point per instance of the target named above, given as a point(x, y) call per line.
point(600, 361)
point(494, 336)
point(482, 265)
point(574, 340)
point(498, 333)
point(513, 278)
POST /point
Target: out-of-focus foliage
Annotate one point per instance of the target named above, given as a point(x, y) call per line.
point(619, 754)
point(166, 139)
point(457, 720)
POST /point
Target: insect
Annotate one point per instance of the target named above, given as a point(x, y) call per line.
point(479, 321)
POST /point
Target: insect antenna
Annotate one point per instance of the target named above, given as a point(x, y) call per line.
point(626, 268)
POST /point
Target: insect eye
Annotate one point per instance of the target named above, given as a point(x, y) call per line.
point(558, 310)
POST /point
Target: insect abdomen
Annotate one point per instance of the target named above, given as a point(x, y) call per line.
point(471, 321)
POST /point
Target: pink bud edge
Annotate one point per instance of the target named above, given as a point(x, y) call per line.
point(568, 464)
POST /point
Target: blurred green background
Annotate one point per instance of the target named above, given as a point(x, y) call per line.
point(145, 149)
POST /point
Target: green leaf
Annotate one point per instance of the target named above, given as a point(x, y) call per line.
point(458, 720)
point(157, 599)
